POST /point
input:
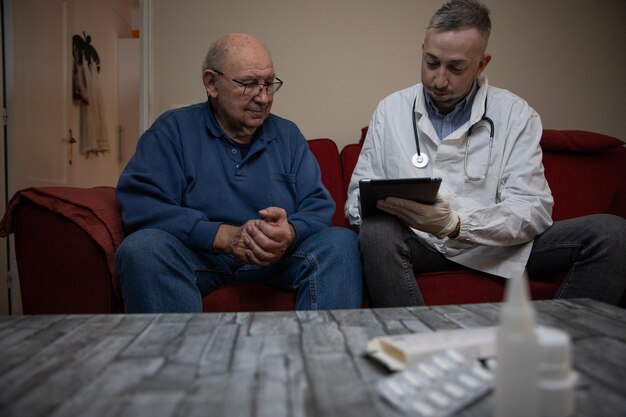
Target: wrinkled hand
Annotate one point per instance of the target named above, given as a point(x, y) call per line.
point(260, 241)
point(437, 219)
point(269, 238)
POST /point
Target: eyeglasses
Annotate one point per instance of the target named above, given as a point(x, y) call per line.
point(254, 89)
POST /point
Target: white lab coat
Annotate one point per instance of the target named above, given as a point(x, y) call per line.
point(500, 215)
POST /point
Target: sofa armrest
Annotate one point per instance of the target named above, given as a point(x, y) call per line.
point(94, 210)
point(62, 270)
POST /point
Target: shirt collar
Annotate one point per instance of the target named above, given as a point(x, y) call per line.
point(463, 105)
point(265, 133)
point(211, 122)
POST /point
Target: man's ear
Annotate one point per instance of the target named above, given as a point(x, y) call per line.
point(209, 79)
point(483, 64)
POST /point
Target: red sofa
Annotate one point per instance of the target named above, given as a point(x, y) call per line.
point(65, 237)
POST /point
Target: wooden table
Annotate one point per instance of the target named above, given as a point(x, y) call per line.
point(262, 364)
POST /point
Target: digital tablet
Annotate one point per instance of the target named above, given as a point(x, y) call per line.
point(422, 190)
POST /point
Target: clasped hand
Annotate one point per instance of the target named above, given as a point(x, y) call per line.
point(437, 219)
point(262, 241)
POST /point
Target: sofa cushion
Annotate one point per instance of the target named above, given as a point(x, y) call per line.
point(327, 155)
point(584, 183)
point(577, 141)
point(466, 287)
point(349, 157)
point(248, 296)
point(363, 134)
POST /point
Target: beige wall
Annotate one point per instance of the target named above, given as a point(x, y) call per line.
point(338, 58)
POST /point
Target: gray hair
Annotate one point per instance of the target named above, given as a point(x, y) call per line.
point(215, 56)
point(462, 14)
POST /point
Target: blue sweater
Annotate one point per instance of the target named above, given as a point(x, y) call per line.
point(187, 178)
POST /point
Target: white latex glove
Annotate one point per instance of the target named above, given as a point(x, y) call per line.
point(437, 219)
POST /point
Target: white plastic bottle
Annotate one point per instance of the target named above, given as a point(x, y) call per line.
point(557, 380)
point(516, 382)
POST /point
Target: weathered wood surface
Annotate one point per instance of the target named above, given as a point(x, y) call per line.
point(262, 364)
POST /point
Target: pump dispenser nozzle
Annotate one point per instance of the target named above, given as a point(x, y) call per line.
point(517, 312)
point(516, 382)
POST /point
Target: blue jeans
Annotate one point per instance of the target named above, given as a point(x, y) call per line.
point(590, 250)
point(158, 273)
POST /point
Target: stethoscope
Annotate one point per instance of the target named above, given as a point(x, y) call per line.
point(420, 160)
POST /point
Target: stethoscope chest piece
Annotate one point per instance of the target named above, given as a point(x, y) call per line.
point(419, 161)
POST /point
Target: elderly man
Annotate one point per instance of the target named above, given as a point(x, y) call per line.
point(225, 192)
point(493, 213)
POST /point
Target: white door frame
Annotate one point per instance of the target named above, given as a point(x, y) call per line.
point(145, 64)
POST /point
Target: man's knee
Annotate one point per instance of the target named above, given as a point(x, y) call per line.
point(607, 227)
point(145, 249)
point(331, 240)
point(341, 237)
point(383, 233)
point(610, 222)
point(142, 241)
point(375, 226)
point(330, 269)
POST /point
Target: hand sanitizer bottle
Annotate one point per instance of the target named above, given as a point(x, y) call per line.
point(516, 381)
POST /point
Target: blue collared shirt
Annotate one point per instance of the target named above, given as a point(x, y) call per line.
point(445, 124)
point(187, 178)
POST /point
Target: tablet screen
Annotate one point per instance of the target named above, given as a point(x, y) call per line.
point(422, 190)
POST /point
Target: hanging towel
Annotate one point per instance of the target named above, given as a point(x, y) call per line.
point(93, 132)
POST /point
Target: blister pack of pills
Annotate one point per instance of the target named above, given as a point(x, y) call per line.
point(437, 386)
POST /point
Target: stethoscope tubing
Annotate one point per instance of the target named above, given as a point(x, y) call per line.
point(420, 161)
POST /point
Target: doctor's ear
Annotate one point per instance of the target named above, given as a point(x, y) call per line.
point(483, 64)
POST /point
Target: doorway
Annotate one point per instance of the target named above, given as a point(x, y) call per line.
point(42, 113)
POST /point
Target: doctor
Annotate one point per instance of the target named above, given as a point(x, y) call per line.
point(493, 213)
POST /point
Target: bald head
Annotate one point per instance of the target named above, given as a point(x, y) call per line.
point(233, 63)
point(233, 45)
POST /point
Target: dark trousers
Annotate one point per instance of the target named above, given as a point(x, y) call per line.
point(590, 249)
